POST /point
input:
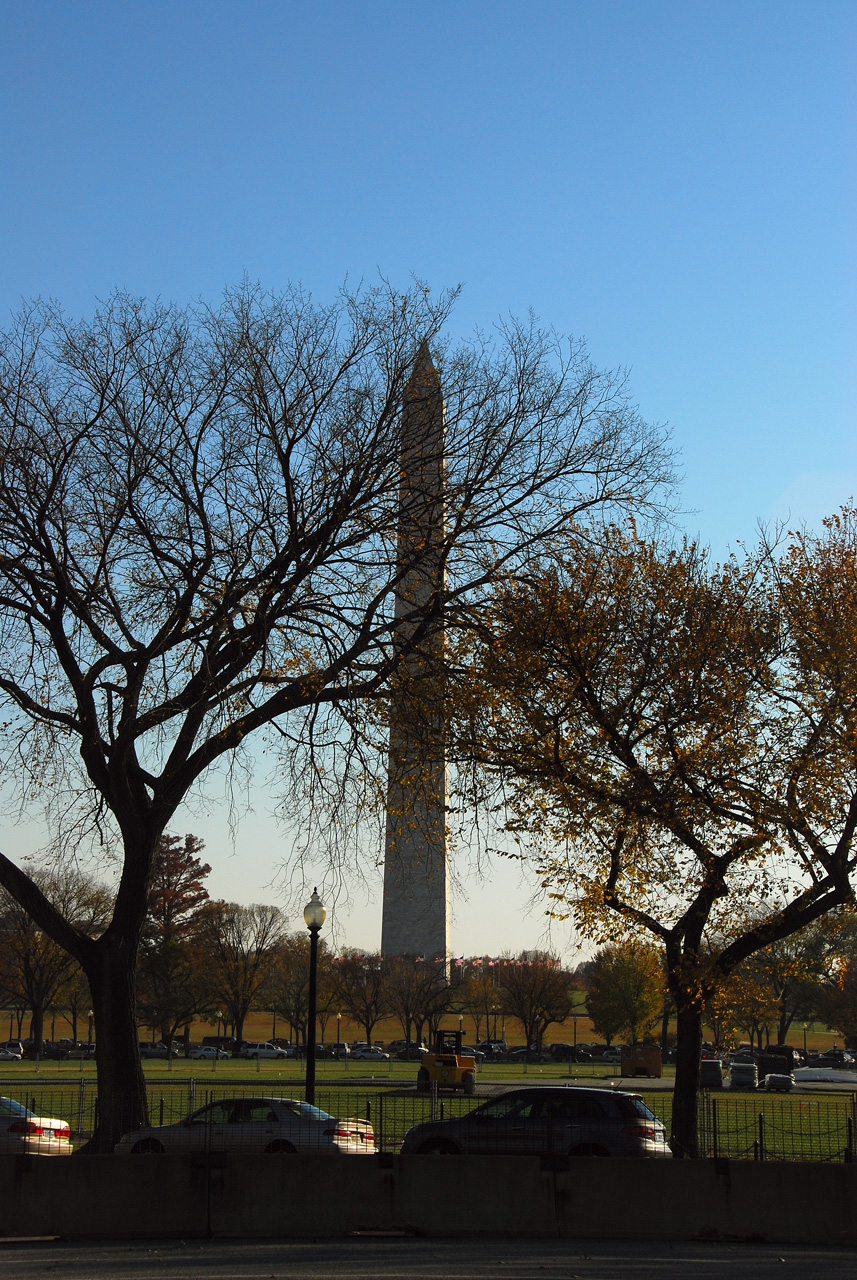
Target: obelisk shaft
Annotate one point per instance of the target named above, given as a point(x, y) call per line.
point(416, 882)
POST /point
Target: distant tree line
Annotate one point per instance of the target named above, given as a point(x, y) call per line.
point(200, 957)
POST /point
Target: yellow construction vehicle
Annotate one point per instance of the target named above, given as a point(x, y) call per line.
point(447, 1066)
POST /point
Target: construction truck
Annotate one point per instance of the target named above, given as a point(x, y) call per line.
point(447, 1066)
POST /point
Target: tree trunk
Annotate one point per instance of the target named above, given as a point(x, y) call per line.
point(684, 1139)
point(37, 1028)
point(122, 1101)
point(665, 1028)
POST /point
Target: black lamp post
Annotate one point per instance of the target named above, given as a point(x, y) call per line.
point(314, 914)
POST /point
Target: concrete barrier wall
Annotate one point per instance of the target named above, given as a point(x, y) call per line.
point(258, 1196)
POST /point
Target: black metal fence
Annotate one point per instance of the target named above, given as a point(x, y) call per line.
point(751, 1126)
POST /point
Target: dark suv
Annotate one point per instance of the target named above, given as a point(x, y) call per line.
point(547, 1121)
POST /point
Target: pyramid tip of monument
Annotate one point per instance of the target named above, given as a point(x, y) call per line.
point(424, 367)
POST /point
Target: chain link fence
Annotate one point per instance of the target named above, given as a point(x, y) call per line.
point(752, 1126)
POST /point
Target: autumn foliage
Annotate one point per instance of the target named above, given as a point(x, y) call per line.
point(675, 742)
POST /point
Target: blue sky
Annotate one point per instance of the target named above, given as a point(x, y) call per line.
point(674, 181)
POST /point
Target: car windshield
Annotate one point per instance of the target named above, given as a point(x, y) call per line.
point(10, 1108)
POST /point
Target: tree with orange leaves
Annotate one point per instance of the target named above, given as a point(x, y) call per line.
point(677, 743)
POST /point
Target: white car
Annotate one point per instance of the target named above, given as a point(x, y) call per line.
point(262, 1049)
point(208, 1051)
point(368, 1054)
point(275, 1126)
point(10, 1055)
point(22, 1132)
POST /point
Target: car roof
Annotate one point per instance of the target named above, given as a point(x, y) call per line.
point(562, 1089)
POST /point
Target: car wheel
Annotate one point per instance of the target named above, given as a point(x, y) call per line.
point(469, 1082)
point(280, 1149)
point(437, 1147)
point(423, 1082)
point(589, 1149)
point(148, 1147)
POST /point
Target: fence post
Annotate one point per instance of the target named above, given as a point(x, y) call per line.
point(761, 1136)
point(81, 1105)
point(714, 1127)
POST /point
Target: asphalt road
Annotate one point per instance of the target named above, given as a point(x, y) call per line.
point(380, 1258)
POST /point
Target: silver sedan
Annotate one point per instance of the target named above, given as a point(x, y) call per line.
point(22, 1132)
point(276, 1126)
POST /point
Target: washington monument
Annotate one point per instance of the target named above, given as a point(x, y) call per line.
point(415, 917)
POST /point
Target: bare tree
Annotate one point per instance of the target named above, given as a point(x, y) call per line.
point(239, 945)
point(39, 970)
point(537, 991)
point(199, 520)
point(417, 993)
point(361, 988)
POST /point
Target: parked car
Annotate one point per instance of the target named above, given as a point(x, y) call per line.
point(838, 1058)
point(10, 1055)
point(261, 1049)
point(22, 1132)
point(206, 1052)
point(221, 1042)
point(49, 1052)
point(524, 1054)
point(275, 1126)
point(370, 1054)
point(493, 1048)
point(560, 1052)
point(148, 1049)
point(412, 1053)
point(546, 1121)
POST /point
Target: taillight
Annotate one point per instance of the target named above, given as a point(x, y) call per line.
point(365, 1134)
point(641, 1131)
point(25, 1126)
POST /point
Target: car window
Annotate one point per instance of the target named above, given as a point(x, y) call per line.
point(305, 1110)
point(253, 1111)
point(571, 1108)
point(10, 1108)
point(215, 1113)
point(585, 1108)
point(634, 1108)
point(525, 1108)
